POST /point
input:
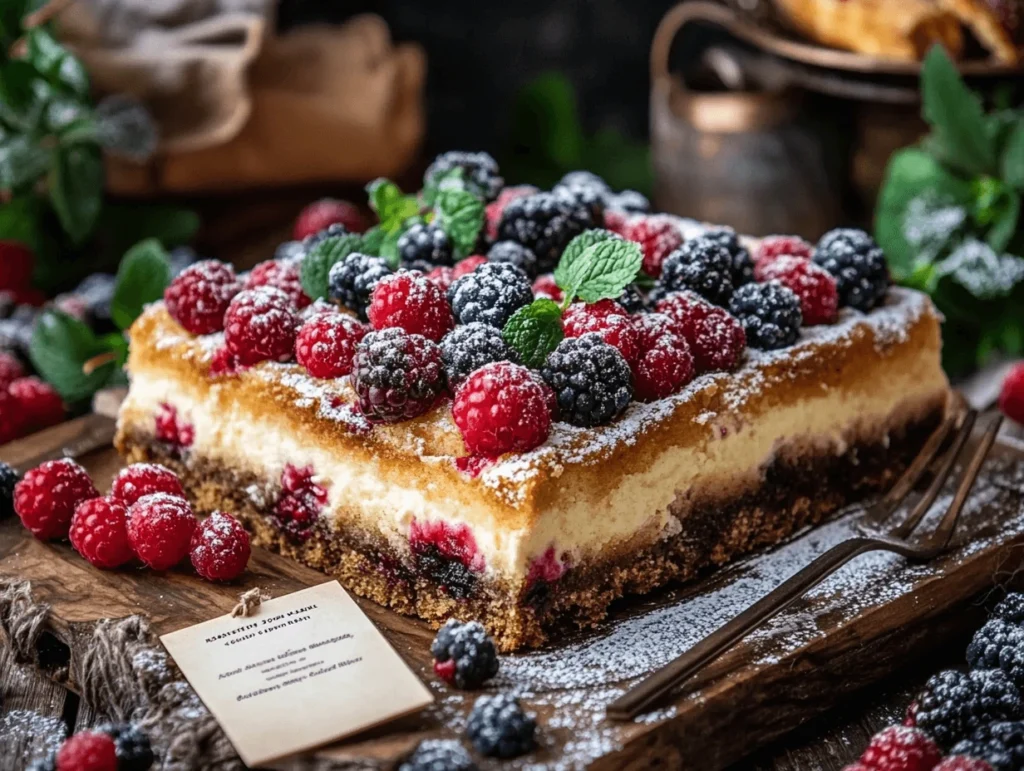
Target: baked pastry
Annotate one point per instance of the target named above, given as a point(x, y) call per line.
point(995, 23)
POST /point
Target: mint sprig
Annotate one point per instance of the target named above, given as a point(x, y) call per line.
point(317, 264)
point(460, 214)
point(143, 275)
point(534, 331)
point(396, 212)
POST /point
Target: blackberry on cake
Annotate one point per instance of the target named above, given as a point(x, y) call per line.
point(770, 314)
point(544, 223)
point(1010, 608)
point(591, 380)
point(8, 479)
point(742, 263)
point(438, 755)
point(514, 254)
point(397, 376)
point(955, 704)
point(490, 294)
point(815, 286)
point(502, 407)
point(658, 238)
point(409, 301)
point(468, 347)
point(499, 728)
point(480, 172)
point(131, 745)
point(858, 264)
point(1000, 744)
point(701, 265)
point(352, 280)
point(423, 247)
point(464, 654)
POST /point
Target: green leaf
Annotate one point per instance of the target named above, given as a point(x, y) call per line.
point(603, 270)
point(318, 263)
point(461, 215)
point(56, 63)
point(454, 178)
point(22, 162)
point(1004, 225)
point(1012, 162)
point(575, 249)
point(372, 240)
point(20, 221)
point(76, 189)
point(955, 113)
point(18, 96)
point(142, 278)
point(392, 206)
point(60, 345)
point(534, 331)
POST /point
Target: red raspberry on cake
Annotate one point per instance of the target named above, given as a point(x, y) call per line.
point(608, 319)
point(326, 344)
point(664, 364)
point(772, 247)
point(283, 275)
point(468, 265)
point(658, 238)
point(46, 497)
point(497, 207)
point(199, 296)
point(899, 748)
point(502, 407)
point(545, 286)
point(38, 401)
point(87, 751)
point(10, 369)
point(171, 428)
point(99, 532)
point(160, 528)
point(409, 301)
point(12, 421)
point(815, 286)
point(321, 214)
point(260, 325)
point(301, 498)
point(1011, 397)
point(715, 337)
point(220, 548)
point(141, 479)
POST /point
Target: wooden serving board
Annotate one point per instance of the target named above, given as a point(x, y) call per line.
point(865, 622)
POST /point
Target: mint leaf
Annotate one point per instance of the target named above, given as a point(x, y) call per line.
point(372, 240)
point(461, 215)
point(392, 206)
point(574, 249)
point(534, 331)
point(453, 179)
point(60, 345)
point(76, 189)
point(55, 63)
point(1004, 225)
point(318, 263)
point(142, 278)
point(22, 162)
point(1012, 162)
point(603, 270)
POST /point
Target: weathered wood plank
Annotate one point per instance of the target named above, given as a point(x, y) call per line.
point(31, 712)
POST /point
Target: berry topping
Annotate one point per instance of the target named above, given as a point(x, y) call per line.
point(468, 265)
point(490, 294)
point(502, 407)
point(664, 364)
point(545, 286)
point(1011, 403)
point(160, 528)
point(423, 246)
point(134, 751)
point(700, 265)
point(260, 325)
point(658, 238)
point(1010, 608)
point(326, 344)
point(8, 479)
point(46, 497)
point(447, 554)
point(858, 264)
point(352, 280)
point(608, 319)
point(811, 283)
point(220, 548)
point(514, 254)
point(12, 421)
point(409, 301)
point(628, 201)
point(99, 532)
point(773, 247)
point(591, 379)
point(548, 567)
point(999, 744)
point(898, 748)
point(438, 755)
point(468, 347)
point(199, 296)
point(87, 751)
point(586, 194)
point(499, 728)
point(955, 704)
point(497, 207)
point(962, 763)
point(441, 277)
point(397, 376)
point(468, 651)
point(742, 264)
point(301, 499)
point(38, 402)
point(479, 172)
point(10, 369)
point(142, 479)
point(770, 314)
point(173, 429)
point(993, 644)
point(632, 300)
point(544, 223)
point(282, 275)
point(716, 339)
point(321, 214)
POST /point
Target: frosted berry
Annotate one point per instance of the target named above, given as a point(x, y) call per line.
point(617, 221)
point(438, 755)
point(857, 263)
point(490, 294)
point(632, 300)
point(495, 209)
point(815, 286)
point(12, 420)
point(499, 728)
point(502, 407)
point(141, 479)
point(321, 214)
point(953, 704)
point(220, 548)
point(46, 497)
point(480, 172)
point(591, 193)
point(409, 301)
point(961, 763)
point(994, 644)
point(134, 751)
point(701, 265)
point(8, 479)
point(1000, 744)
point(326, 344)
point(465, 654)
point(514, 254)
point(172, 428)
point(442, 277)
point(260, 325)
point(608, 319)
point(716, 339)
point(1011, 396)
point(770, 314)
point(664, 364)
point(772, 247)
point(742, 263)
point(99, 532)
point(1010, 608)
point(468, 347)
point(545, 286)
point(898, 748)
point(423, 246)
point(591, 380)
point(630, 201)
point(283, 275)
point(198, 298)
point(352, 280)
point(160, 528)
point(10, 369)
point(658, 238)
point(397, 376)
point(38, 402)
point(87, 751)
point(544, 223)
point(468, 265)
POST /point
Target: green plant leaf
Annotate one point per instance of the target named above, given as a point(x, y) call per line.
point(58, 65)
point(603, 270)
point(317, 264)
point(460, 214)
point(392, 206)
point(20, 221)
point(1012, 162)
point(454, 178)
point(372, 240)
point(76, 189)
point(60, 345)
point(1004, 225)
point(534, 331)
point(18, 96)
point(22, 162)
point(575, 249)
point(12, 13)
point(142, 278)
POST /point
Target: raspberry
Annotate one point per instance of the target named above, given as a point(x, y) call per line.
point(441, 277)
point(898, 748)
point(422, 247)
point(199, 296)
point(490, 294)
point(514, 254)
point(12, 420)
point(499, 728)
point(141, 479)
point(502, 407)
point(260, 325)
point(701, 265)
point(16, 264)
point(479, 172)
point(326, 344)
point(1000, 744)
point(99, 532)
point(591, 380)
point(444, 276)
point(468, 347)
point(438, 755)
point(961, 763)
point(134, 751)
point(1011, 607)
point(665, 363)
point(352, 280)
point(953, 704)
point(171, 429)
point(46, 497)
point(544, 223)
point(8, 479)
point(321, 214)
point(468, 265)
point(1011, 400)
point(608, 319)
point(716, 339)
point(857, 262)
point(87, 751)
point(545, 286)
point(819, 299)
point(497, 207)
point(220, 548)
point(38, 402)
point(160, 528)
point(468, 650)
point(770, 314)
point(397, 376)
point(282, 275)
point(409, 301)
point(658, 238)
point(742, 264)
point(301, 500)
point(617, 221)
point(773, 247)
point(10, 369)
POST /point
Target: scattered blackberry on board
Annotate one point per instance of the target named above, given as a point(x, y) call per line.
point(479, 171)
point(858, 264)
point(770, 314)
point(1010, 608)
point(464, 654)
point(742, 263)
point(514, 254)
point(134, 751)
point(423, 247)
point(629, 201)
point(396, 375)
point(955, 704)
point(490, 294)
point(468, 347)
point(351, 281)
point(438, 755)
point(591, 379)
point(999, 744)
point(989, 643)
point(499, 728)
point(632, 300)
point(701, 265)
point(544, 223)
point(8, 479)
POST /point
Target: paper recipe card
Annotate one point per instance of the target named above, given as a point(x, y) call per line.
point(307, 669)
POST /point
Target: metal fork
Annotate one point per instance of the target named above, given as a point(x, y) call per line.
point(925, 548)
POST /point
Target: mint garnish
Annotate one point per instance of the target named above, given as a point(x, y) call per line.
point(144, 273)
point(602, 271)
point(453, 179)
point(317, 264)
point(460, 214)
point(534, 331)
point(575, 249)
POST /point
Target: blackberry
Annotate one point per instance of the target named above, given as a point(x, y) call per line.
point(464, 654)
point(630, 201)
point(591, 380)
point(351, 281)
point(701, 265)
point(180, 258)
point(544, 223)
point(479, 172)
point(592, 197)
point(498, 727)
point(16, 330)
point(438, 755)
point(514, 254)
point(632, 300)
point(1000, 744)
point(585, 179)
point(290, 250)
point(1010, 608)
point(742, 262)
point(331, 231)
point(490, 294)
point(857, 263)
point(955, 704)
point(468, 347)
point(991, 641)
point(134, 751)
point(423, 247)
point(397, 376)
point(456, 579)
point(770, 314)
point(8, 479)
point(96, 292)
